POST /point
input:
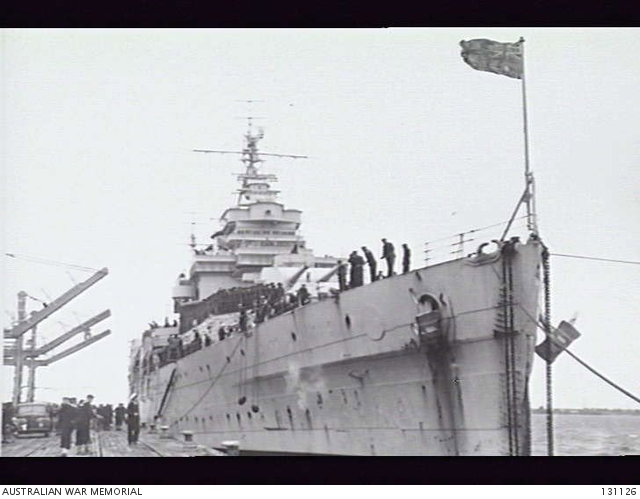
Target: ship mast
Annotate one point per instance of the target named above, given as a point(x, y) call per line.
point(255, 185)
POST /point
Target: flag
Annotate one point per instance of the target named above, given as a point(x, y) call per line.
point(495, 57)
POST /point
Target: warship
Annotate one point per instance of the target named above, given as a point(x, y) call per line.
point(273, 349)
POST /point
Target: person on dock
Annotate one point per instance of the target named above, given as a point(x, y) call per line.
point(133, 420)
point(388, 254)
point(120, 412)
point(8, 428)
point(406, 258)
point(100, 419)
point(66, 423)
point(373, 265)
point(108, 412)
point(85, 413)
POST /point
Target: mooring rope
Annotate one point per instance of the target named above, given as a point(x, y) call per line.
point(544, 328)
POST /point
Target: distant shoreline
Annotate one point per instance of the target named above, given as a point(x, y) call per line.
point(595, 412)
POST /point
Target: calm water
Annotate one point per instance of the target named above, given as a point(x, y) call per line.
point(587, 435)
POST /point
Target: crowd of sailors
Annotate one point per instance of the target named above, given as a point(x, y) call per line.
point(257, 303)
point(271, 300)
point(84, 416)
point(73, 417)
point(357, 263)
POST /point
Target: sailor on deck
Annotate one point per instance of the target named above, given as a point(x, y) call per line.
point(303, 295)
point(243, 321)
point(357, 264)
point(388, 254)
point(406, 258)
point(371, 260)
point(342, 275)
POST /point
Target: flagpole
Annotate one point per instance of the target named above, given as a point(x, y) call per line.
point(528, 176)
point(532, 226)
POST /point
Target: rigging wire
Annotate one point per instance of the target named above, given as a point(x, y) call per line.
point(52, 262)
point(595, 258)
point(544, 329)
point(475, 230)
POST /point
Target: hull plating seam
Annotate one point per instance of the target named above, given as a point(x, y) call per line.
point(395, 428)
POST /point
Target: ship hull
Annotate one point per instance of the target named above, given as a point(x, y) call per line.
point(359, 375)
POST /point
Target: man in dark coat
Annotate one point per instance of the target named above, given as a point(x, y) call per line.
point(108, 412)
point(243, 320)
point(373, 265)
point(388, 254)
point(100, 414)
point(303, 295)
point(293, 301)
point(66, 422)
point(8, 428)
point(357, 269)
point(221, 333)
point(406, 258)
point(133, 420)
point(120, 411)
point(342, 275)
point(84, 414)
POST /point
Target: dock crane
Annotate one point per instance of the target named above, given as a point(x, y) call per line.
point(14, 353)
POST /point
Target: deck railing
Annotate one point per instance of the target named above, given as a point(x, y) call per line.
point(465, 243)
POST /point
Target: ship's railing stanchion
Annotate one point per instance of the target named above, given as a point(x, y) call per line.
point(453, 247)
point(459, 253)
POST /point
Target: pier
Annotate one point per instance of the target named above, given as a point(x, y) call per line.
point(108, 444)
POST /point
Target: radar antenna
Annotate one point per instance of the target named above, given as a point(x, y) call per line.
point(251, 156)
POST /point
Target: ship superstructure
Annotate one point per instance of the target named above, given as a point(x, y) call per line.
point(258, 233)
point(435, 361)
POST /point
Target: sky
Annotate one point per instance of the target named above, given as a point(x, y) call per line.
point(404, 140)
